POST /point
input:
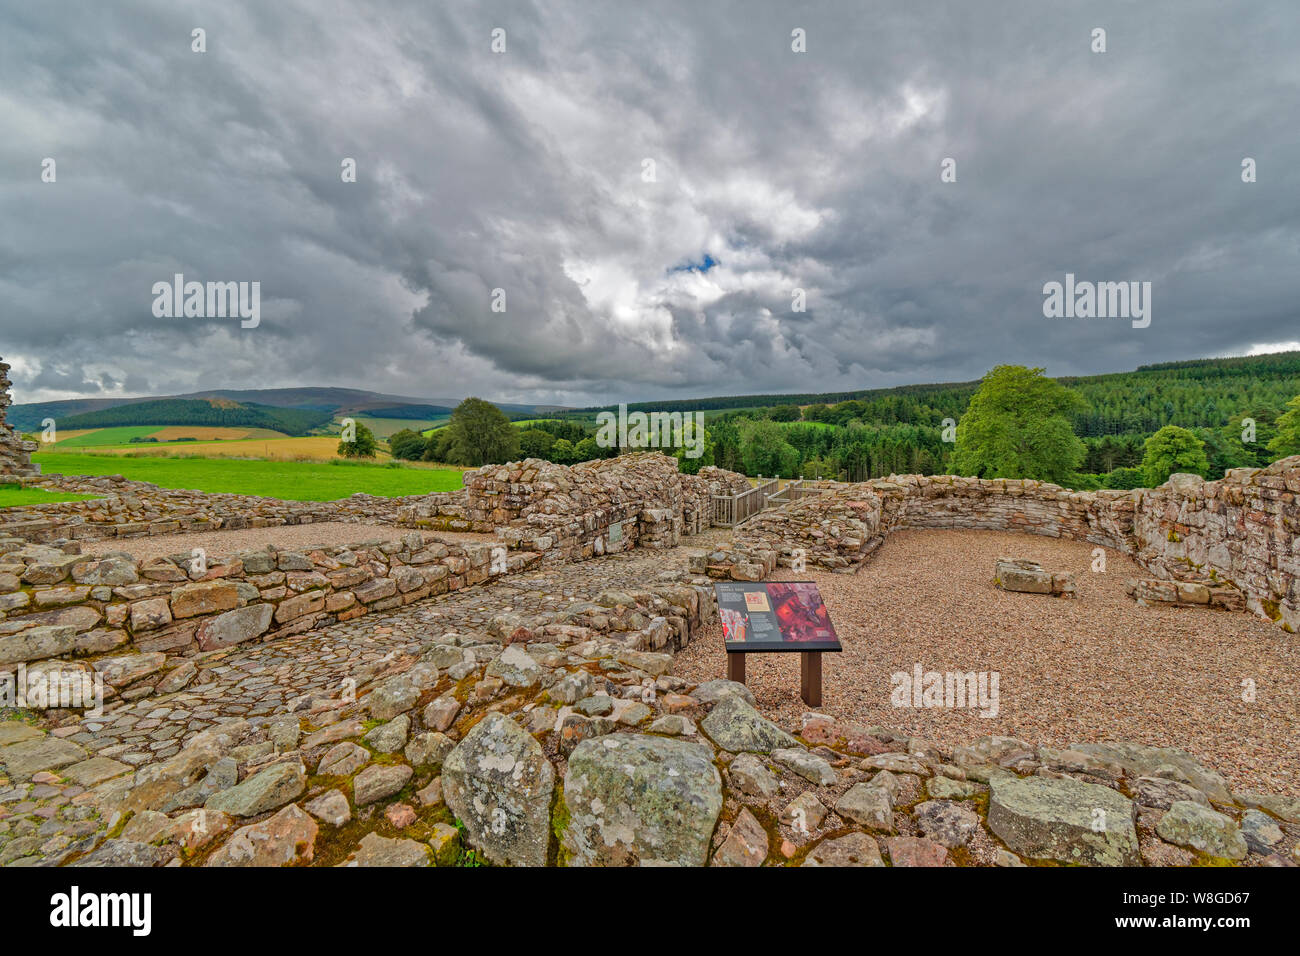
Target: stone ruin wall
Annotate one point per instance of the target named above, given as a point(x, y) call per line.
point(568, 512)
point(535, 505)
point(138, 620)
point(1243, 529)
point(55, 602)
point(135, 509)
point(151, 620)
point(15, 454)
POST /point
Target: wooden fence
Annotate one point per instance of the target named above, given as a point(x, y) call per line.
point(731, 510)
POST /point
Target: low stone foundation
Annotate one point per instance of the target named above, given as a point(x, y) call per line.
point(137, 509)
point(133, 621)
point(1205, 593)
point(567, 512)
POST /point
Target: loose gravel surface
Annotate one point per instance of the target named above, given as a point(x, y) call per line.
point(335, 533)
point(1095, 668)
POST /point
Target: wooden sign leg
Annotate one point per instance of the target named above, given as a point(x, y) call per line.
point(736, 668)
point(810, 673)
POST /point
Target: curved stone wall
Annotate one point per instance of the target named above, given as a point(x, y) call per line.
point(1243, 529)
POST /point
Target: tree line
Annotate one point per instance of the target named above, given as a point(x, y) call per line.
point(1204, 417)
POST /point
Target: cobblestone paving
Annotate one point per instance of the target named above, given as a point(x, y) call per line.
point(266, 679)
point(49, 817)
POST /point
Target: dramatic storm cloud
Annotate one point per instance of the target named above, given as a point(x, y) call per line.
point(527, 171)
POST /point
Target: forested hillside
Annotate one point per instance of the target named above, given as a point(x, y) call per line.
point(215, 412)
point(1202, 392)
point(874, 432)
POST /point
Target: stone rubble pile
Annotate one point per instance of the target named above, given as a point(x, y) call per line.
point(837, 531)
point(547, 727)
point(569, 512)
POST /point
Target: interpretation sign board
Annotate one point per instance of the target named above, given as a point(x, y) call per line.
point(615, 532)
point(768, 616)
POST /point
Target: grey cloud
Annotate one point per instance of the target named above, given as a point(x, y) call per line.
point(523, 172)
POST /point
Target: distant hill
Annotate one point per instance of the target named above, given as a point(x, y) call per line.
point(334, 401)
point(1197, 392)
point(209, 412)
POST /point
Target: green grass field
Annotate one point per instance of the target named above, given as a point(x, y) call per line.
point(384, 427)
point(290, 480)
point(13, 496)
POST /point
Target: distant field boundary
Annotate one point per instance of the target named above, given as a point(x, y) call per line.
point(286, 480)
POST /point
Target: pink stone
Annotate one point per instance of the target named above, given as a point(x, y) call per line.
point(400, 815)
point(915, 851)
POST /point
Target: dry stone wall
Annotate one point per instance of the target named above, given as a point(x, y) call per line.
point(133, 509)
point(594, 508)
point(571, 512)
point(136, 621)
point(1242, 530)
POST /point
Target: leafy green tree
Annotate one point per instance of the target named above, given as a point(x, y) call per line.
point(1018, 426)
point(587, 450)
point(820, 468)
point(563, 452)
point(536, 443)
point(363, 444)
point(1170, 450)
point(406, 444)
point(764, 450)
point(480, 434)
point(1125, 479)
point(726, 445)
point(1239, 445)
point(1084, 481)
point(437, 447)
point(784, 413)
point(1287, 440)
point(685, 463)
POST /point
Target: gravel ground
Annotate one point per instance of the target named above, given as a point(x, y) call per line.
point(282, 536)
point(1091, 669)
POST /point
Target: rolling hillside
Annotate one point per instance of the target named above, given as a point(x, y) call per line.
point(330, 402)
point(210, 412)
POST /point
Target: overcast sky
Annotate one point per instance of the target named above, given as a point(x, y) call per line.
point(524, 171)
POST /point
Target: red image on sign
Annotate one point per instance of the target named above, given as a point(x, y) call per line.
point(801, 612)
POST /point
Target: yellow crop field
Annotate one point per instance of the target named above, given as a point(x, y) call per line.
point(313, 447)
